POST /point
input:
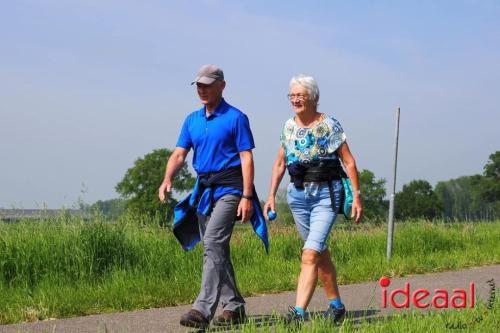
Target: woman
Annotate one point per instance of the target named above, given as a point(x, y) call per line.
point(312, 146)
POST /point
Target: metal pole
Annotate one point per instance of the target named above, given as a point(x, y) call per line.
point(390, 227)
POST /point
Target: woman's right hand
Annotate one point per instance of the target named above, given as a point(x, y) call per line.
point(269, 205)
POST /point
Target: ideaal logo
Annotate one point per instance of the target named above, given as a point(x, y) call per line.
point(459, 298)
point(440, 299)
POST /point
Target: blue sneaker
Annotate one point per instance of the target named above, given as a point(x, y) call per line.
point(293, 317)
point(335, 314)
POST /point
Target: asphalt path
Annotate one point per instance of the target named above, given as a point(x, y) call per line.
point(363, 301)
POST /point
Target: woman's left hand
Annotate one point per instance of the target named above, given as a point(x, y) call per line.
point(357, 210)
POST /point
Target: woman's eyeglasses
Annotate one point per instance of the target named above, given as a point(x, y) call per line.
point(299, 97)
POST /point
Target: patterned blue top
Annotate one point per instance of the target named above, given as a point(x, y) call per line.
point(312, 144)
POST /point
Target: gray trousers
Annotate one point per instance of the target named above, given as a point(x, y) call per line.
point(218, 281)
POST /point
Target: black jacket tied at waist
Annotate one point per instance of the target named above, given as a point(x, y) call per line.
point(231, 177)
point(186, 227)
point(198, 205)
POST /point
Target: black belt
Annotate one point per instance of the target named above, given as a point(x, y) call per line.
point(317, 174)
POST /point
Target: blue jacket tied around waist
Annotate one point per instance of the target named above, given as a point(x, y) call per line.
point(199, 203)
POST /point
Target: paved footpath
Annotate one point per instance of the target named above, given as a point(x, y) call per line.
point(362, 300)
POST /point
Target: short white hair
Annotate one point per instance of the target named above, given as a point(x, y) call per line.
point(308, 82)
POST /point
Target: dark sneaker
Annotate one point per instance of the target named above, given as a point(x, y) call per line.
point(293, 317)
point(194, 318)
point(335, 314)
point(228, 317)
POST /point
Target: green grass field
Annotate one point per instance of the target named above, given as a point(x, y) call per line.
point(67, 267)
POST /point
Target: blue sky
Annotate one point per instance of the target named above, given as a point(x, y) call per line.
point(89, 86)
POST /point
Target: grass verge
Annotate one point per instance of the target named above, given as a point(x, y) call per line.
point(66, 267)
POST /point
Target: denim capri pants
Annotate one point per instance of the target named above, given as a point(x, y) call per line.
point(312, 211)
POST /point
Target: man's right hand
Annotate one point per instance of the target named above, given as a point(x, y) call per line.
point(165, 187)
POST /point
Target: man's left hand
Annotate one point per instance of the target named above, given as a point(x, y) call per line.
point(245, 210)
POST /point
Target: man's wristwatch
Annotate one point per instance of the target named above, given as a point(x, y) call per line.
point(356, 193)
point(248, 197)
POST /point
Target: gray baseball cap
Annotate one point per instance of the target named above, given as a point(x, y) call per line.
point(208, 74)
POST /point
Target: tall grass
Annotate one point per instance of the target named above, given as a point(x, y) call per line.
point(65, 266)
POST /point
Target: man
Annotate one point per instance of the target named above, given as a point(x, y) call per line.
point(222, 144)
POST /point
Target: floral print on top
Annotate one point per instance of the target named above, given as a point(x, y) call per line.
point(319, 142)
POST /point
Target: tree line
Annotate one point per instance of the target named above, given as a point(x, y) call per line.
point(465, 198)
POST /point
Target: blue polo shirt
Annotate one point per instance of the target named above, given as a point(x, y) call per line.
point(217, 142)
point(218, 139)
